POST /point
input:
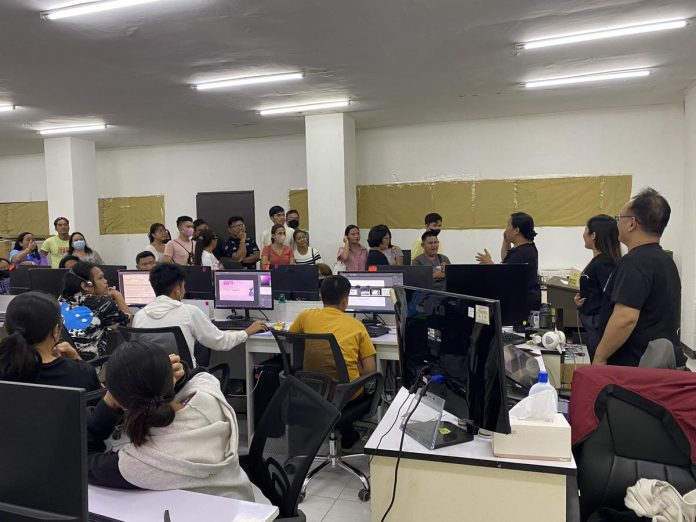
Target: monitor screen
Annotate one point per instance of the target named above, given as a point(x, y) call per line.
point(416, 276)
point(111, 273)
point(296, 282)
point(49, 281)
point(199, 282)
point(508, 284)
point(135, 287)
point(370, 292)
point(246, 289)
point(521, 367)
point(460, 338)
point(43, 455)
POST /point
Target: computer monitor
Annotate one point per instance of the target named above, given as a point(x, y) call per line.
point(508, 284)
point(460, 338)
point(370, 292)
point(19, 278)
point(521, 367)
point(199, 282)
point(415, 276)
point(135, 287)
point(296, 282)
point(111, 274)
point(49, 281)
point(43, 453)
point(243, 289)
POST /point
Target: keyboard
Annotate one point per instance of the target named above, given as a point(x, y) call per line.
point(376, 330)
point(513, 338)
point(233, 324)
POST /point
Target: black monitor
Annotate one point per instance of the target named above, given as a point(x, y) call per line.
point(370, 292)
point(243, 289)
point(199, 282)
point(296, 282)
point(43, 453)
point(415, 276)
point(521, 367)
point(49, 281)
point(111, 274)
point(460, 338)
point(508, 284)
point(19, 278)
point(135, 287)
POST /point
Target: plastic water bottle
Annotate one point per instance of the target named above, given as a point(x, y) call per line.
point(282, 309)
point(543, 385)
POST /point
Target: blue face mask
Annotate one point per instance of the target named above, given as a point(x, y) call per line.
point(79, 245)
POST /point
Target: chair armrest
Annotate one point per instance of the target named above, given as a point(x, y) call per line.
point(344, 392)
point(94, 396)
point(99, 361)
point(224, 370)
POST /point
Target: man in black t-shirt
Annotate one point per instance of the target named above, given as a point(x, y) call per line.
point(643, 294)
point(239, 246)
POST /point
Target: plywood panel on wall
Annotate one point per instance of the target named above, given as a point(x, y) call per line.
point(29, 216)
point(130, 215)
point(297, 199)
point(401, 205)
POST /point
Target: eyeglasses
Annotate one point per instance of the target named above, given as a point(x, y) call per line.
point(237, 225)
point(618, 218)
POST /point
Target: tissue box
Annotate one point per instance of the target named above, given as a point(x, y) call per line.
point(535, 440)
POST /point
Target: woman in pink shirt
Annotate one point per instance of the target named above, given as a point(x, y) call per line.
point(352, 253)
point(277, 253)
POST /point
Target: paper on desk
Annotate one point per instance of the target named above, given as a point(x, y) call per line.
point(541, 406)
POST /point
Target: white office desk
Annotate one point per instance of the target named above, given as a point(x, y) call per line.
point(265, 344)
point(464, 481)
point(149, 506)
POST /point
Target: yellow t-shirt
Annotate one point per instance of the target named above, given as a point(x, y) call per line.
point(57, 248)
point(350, 333)
point(417, 248)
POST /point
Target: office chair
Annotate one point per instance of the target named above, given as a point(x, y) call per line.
point(631, 423)
point(296, 350)
point(230, 263)
point(172, 339)
point(288, 436)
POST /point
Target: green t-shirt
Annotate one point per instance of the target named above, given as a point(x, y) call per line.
point(57, 248)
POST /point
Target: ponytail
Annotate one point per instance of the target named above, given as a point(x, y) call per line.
point(18, 360)
point(158, 413)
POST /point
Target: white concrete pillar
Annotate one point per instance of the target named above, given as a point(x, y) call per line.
point(688, 254)
point(332, 205)
point(71, 185)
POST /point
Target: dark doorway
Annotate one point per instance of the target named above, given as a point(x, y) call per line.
point(217, 207)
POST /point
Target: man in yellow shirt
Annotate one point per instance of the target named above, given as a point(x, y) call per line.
point(358, 351)
point(433, 222)
point(57, 246)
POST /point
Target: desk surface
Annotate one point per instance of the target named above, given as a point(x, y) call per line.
point(475, 453)
point(149, 506)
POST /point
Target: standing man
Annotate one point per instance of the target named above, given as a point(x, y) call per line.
point(239, 246)
point(277, 215)
point(430, 257)
point(643, 294)
point(433, 223)
point(181, 249)
point(57, 246)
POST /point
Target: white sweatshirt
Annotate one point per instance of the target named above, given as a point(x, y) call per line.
point(164, 311)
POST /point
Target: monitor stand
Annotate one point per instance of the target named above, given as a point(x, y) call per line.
point(240, 321)
point(372, 321)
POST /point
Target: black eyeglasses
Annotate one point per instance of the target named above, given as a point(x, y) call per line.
point(618, 218)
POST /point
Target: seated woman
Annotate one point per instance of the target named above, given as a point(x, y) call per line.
point(4, 276)
point(305, 254)
point(205, 245)
point(25, 251)
point(430, 245)
point(352, 253)
point(180, 437)
point(277, 253)
point(378, 241)
point(68, 261)
point(89, 307)
point(158, 239)
point(78, 248)
point(32, 353)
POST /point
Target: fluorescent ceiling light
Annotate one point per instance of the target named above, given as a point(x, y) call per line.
point(72, 130)
point(248, 80)
point(611, 32)
point(7, 108)
point(587, 78)
point(305, 108)
point(89, 8)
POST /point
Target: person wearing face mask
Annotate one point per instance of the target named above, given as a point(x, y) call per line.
point(181, 250)
point(433, 222)
point(32, 352)
point(277, 253)
point(89, 307)
point(4, 276)
point(25, 251)
point(277, 215)
point(78, 248)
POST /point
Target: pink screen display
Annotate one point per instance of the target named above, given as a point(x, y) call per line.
point(236, 290)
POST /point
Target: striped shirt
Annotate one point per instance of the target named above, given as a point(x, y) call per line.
point(312, 257)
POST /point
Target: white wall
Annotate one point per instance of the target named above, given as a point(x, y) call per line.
point(688, 272)
point(646, 142)
point(22, 178)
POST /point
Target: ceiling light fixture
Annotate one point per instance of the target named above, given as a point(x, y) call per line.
point(611, 32)
point(248, 80)
point(587, 78)
point(90, 7)
point(7, 108)
point(305, 108)
point(72, 130)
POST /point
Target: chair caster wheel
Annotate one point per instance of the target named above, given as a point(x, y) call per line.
point(364, 495)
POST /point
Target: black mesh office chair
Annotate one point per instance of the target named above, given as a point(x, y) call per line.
point(300, 350)
point(288, 436)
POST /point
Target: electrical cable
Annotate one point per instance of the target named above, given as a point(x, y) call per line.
point(379, 442)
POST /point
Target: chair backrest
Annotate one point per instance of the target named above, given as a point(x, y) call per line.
point(48, 281)
point(407, 256)
point(19, 278)
point(171, 338)
point(229, 263)
point(659, 354)
point(635, 438)
point(286, 440)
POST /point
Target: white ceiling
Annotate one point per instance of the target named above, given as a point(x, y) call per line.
point(400, 61)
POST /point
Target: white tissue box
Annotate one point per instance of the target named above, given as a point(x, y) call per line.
point(535, 440)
